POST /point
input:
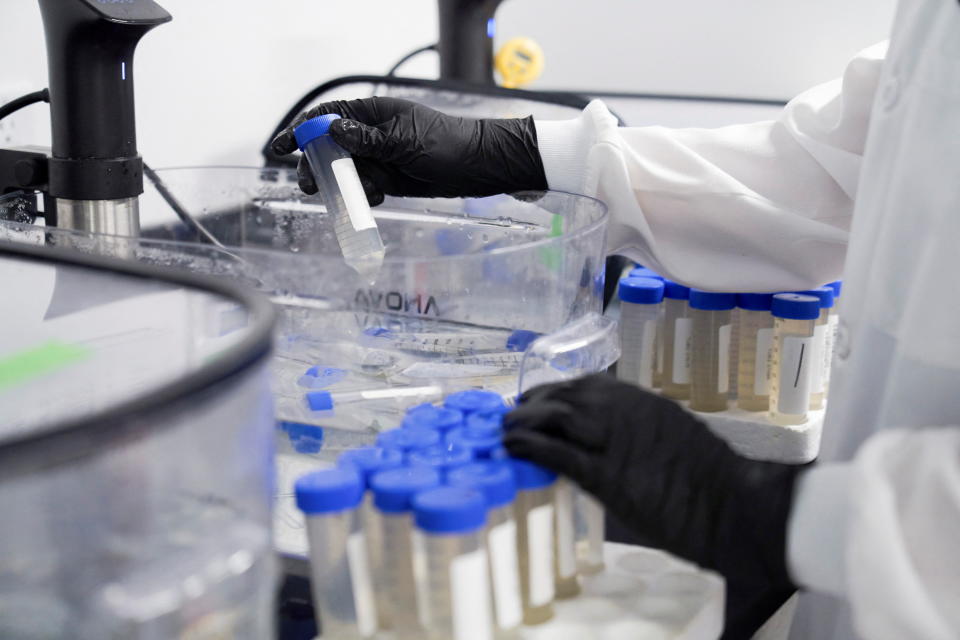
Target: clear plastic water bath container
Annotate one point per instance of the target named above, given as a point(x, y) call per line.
point(136, 452)
point(469, 293)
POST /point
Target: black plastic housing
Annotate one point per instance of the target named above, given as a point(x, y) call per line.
point(90, 47)
point(466, 51)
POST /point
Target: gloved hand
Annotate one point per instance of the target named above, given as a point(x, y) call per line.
point(663, 473)
point(403, 148)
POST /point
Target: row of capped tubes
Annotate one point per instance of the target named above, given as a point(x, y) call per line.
point(709, 347)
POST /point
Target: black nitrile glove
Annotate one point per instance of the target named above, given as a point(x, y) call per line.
point(402, 148)
point(664, 474)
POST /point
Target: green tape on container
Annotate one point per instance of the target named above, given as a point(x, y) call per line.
point(39, 360)
point(552, 256)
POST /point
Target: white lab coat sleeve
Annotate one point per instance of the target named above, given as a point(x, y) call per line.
point(757, 207)
point(882, 531)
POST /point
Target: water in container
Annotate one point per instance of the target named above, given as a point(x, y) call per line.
point(822, 345)
point(393, 493)
point(340, 572)
point(495, 480)
point(756, 340)
point(640, 300)
point(791, 361)
point(677, 337)
point(710, 376)
point(338, 181)
point(535, 545)
point(453, 573)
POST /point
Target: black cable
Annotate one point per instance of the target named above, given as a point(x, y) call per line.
point(415, 52)
point(24, 101)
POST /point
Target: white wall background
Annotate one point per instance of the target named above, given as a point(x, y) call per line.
point(211, 84)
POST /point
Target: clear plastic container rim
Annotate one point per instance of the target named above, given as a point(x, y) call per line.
point(76, 438)
point(601, 220)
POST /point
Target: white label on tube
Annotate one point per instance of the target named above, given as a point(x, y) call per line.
point(647, 353)
point(540, 554)
point(795, 366)
point(681, 350)
point(421, 578)
point(354, 198)
point(470, 597)
point(816, 364)
point(660, 346)
point(566, 543)
point(362, 584)
point(828, 341)
point(761, 378)
point(506, 574)
point(723, 361)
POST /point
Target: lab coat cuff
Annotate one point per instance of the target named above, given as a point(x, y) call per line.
point(564, 146)
point(817, 535)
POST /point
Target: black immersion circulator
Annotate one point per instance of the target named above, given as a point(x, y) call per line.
point(95, 172)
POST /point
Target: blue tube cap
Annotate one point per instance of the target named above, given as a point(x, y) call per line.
point(448, 510)
point(644, 272)
point(480, 436)
point(441, 457)
point(824, 294)
point(407, 440)
point(368, 460)
point(308, 131)
point(428, 416)
point(329, 491)
point(795, 306)
point(493, 478)
point(640, 290)
point(754, 301)
point(710, 301)
point(475, 401)
point(837, 286)
point(675, 290)
point(520, 339)
point(530, 476)
point(393, 490)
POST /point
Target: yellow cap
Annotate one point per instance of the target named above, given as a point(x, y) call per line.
point(519, 61)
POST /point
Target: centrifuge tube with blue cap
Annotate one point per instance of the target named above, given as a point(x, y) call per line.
point(393, 493)
point(494, 479)
point(756, 340)
point(793, 329)
point(710, 350)
point(822, 345)
point(677, 340)
point(640, 300)
point(340, 187)
point(535, 545)
point(367, 461)
point(454, 584)
point(340, 572)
